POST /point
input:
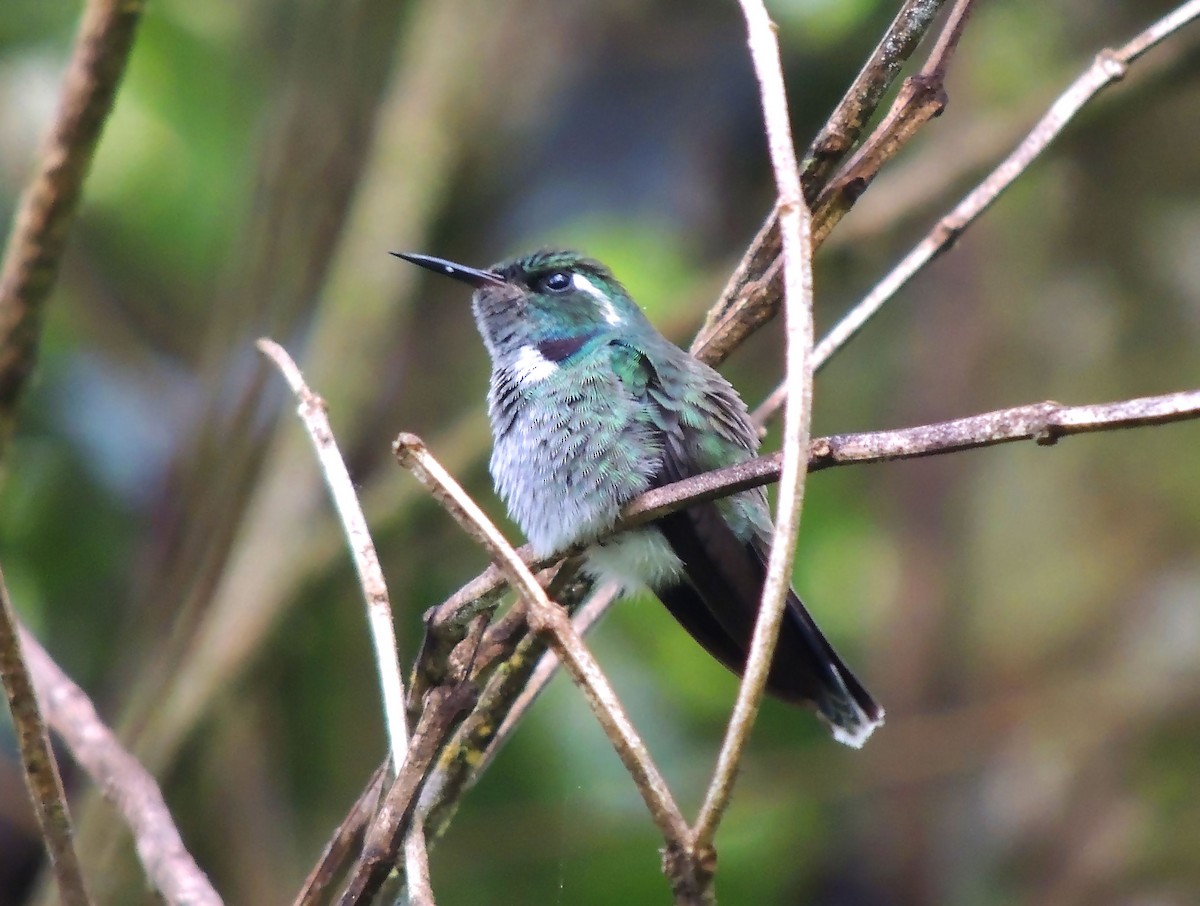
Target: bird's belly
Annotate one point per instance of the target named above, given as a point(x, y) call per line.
point(556, 504)
point(565, 471)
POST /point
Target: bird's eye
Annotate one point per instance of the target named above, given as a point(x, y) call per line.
point(557, 282)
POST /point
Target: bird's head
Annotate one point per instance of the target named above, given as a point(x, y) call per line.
point(548, 296)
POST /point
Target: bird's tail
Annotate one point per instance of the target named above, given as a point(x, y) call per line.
point(807, 669)
point(717, 603)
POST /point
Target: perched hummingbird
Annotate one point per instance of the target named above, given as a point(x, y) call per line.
point(591, 406)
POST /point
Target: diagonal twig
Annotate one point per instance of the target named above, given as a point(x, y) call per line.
point(123, 781)
point(549, 620)
point(374, 586)
point(445, 706)
point(921, 98)
point(37, 758)
point(1107, 67)
point(47, 207)
point(344, 842)
point(847, 121)
point(754, 292)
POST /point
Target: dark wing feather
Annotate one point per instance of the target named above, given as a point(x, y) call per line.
point(718, 604)
point(717, 601)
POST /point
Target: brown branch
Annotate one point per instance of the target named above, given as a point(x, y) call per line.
point(754, 292)
point(846, 123)
point(122, 780)
point(512, 652)
point(1045, 421)
point(795, 228)
point(552, 622)
point(921, 98)
point(1108, 66)
point(446, 706)
point(340, 849)
point(37, 758)
point(48, 204)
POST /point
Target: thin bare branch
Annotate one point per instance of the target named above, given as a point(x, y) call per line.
point(122, 780)
point(47, 207)
point(362, 548)
point(418, 884)
point(339, 851)
point(754, 292)
point(1043, 422)
point(370, 576)
point(1108, 66)
point(444, 709)
point(921, 98)
point(37, 758)
point(1046, 420)
point(552, 621)
point(795, 228)
point(847, 121)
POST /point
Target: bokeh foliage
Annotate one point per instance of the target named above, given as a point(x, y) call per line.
point(1030, 617)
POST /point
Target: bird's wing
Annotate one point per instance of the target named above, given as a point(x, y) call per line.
point(723, 545)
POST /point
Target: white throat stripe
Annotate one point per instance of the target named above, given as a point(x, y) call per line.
point(530, 366)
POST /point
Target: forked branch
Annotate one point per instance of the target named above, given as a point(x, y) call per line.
point(1109, 66)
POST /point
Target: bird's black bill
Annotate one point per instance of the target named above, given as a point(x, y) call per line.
point(470, 275)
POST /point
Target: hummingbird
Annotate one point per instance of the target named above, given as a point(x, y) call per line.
point(590, 406)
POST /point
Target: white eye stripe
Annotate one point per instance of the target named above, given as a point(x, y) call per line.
point(584, 285)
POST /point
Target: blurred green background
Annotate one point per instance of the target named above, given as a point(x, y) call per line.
point(1030, 617)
